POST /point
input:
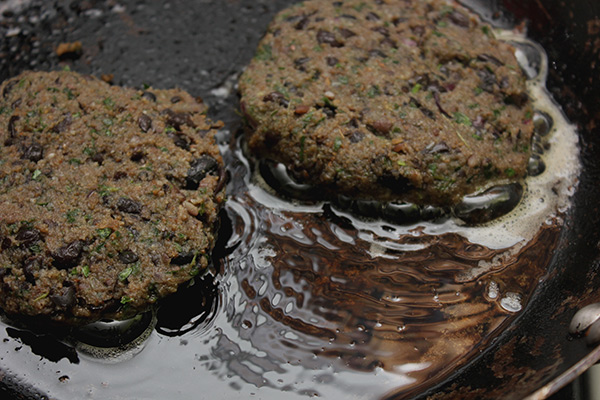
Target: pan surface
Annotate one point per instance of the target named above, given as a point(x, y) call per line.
point(240, 332)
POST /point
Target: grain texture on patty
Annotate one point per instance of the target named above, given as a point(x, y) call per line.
point(108, 196)
point(388, 100)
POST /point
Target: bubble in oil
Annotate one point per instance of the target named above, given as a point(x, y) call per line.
point(511, 302)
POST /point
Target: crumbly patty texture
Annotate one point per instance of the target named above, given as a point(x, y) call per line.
point(388, 100)
point(109, 197)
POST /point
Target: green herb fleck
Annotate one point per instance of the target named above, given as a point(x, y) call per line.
point(337, 143)
point(461, 118)
point(264, 53)
point(69, 93)
point(373, 91)
point(85, 270)
point(106, 190)
point(487, 31)
point(302, 142)
point(36, 175)
point(416, 88)
point(509, 172)
point(123, 275)
point(71, 215)
point(360, 6)
point(75, 161)
point(104, 233)
point(126, 299)
point(108, 102)
point(41, 296)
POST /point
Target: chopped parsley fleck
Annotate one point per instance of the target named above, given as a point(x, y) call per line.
point(461, 118)
point(123, 275)
point(108, 102)
point(37, 174)
point(264, 53)
point(104, 233)
point(337, 143)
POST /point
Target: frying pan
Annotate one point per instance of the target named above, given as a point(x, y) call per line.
point(202, 45)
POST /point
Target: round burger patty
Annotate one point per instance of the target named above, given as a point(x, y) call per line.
point(388, 100)
point(108, 196)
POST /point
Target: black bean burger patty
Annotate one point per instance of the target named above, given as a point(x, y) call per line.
point(108, 196)
point(388, 100)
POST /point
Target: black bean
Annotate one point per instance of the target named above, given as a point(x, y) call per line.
point(440, 147)
point(489, 58)
point(30, 266)
point(303, 23)
point(68, 256)
point(177, 120)
point(299, 63)
point(332, 61)
point(119, 175)
point(348, 16)
point(149, 96)
point(427, 112)
point(62, 125)
point(130, 206)
point(137, 155)
point(459, 19)
point(12, 131)
point(397, 20)
point(517, 99)
point(326, 37)
point(436, 97)
point(33, 152)
point(346, 33)
point(377, 53)
point(144, 122)
point(381, 29)
point(28, 236)
point(199, 168)
point(180, 140)
point(386, 41)
point(355, 136)
point(276, 97)
point(128, 257)
point(183, 258)
point(381, 126)
point(9, 86)
point(418, 30)
point(6, 243)
point(353, 122)
point(65, 298)
point(98, 157)
point(488, 80)
point(176, 99)
point(16, 103)
point(371, 16)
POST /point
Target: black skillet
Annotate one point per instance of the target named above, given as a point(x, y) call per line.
point(200, 45)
